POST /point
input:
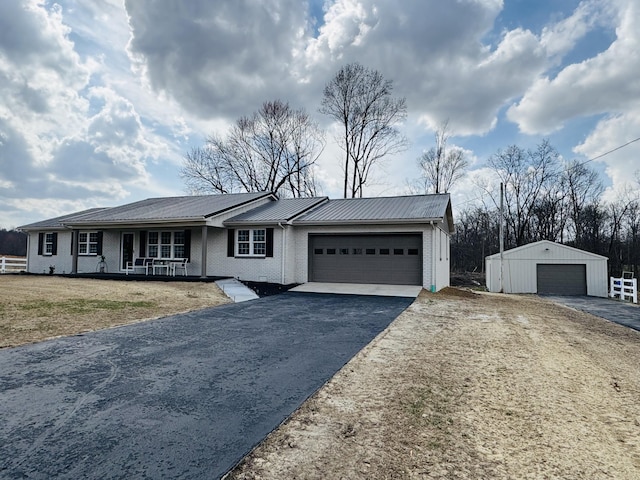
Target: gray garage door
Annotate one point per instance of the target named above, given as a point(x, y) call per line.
point(386, 259)
point(562, 279)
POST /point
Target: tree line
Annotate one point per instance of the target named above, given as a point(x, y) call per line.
point(548, 199)
point(13, 242)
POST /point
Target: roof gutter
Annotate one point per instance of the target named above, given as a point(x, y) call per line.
point(393, 221)
point(433, 256)
point(129, 223)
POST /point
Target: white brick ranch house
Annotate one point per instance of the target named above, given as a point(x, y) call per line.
point(258, 237)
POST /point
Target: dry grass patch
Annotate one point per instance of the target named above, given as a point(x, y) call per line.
point(34, 308)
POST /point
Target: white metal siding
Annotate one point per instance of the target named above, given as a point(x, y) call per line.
point(519, 267)
point(442, 259)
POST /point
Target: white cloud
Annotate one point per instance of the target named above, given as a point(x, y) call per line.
point(561, 37)
point(67, 138)
point(40, 75)
point(215, 58)
point(603, 83)
point(207, 58)
point(622, 166)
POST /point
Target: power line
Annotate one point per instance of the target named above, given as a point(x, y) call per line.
point(604, 154)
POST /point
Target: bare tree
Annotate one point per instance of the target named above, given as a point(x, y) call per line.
point(476, 235)
point(440, 166)
point(274, 150)
point(582, 187)
point(527, 175)
point(360, 100)
point(548, 217)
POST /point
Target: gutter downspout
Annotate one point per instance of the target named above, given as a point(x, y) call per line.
point(282, 254)
point(433, 257)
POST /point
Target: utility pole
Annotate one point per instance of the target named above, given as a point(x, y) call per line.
point(501, 236)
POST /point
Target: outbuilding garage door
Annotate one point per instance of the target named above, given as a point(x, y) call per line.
point(385, 259)
point(562, 279)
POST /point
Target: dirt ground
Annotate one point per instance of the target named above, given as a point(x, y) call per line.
point(471, 386)
point(462, 385)
point(34, 308)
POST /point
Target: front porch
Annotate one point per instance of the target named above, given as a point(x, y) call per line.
point(138, 277)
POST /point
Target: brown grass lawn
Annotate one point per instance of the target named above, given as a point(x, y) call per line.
point(34, 308)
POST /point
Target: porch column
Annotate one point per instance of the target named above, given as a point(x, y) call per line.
point(203, 273)
point(74, 251)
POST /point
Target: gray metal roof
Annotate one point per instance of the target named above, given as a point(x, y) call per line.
point(381, 209)
point(170, 208)
point(282, 210)
point(545, 243)
point(303, 211)
point(58, 222)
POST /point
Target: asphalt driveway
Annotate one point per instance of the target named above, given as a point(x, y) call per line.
point(616, 311)
point(185, 396)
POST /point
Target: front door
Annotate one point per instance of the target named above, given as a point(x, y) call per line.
point(127, 249)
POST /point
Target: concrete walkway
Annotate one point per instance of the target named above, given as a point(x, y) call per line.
point(411, 291)
point(617, 311)
point(236, 290)
point(181, 397)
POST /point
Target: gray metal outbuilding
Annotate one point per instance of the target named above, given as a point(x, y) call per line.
point(546, 267)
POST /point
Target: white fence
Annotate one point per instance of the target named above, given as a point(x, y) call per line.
point(12, 264)
point(624, 288)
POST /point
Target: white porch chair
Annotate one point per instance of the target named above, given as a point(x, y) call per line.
point(138, 264)
point(179, 263)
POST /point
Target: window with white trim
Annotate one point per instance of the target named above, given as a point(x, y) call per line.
point(48, 243)
point(167, 244)
point(88, 243)
point(251, 243)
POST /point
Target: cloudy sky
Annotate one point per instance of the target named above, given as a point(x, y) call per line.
point(100, 100)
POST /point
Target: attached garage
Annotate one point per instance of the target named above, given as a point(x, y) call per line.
point(548, 268)
point(384, 240)
point(385, 259)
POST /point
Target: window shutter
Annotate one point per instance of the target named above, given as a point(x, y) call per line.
point(54, 247)
point(40, 242)
point(231, 242)
point(99, 246)
point(270, 242)
point(187, 244)
point(142, 251)
point(72, 235)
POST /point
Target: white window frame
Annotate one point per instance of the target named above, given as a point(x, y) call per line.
point(84, 245)
point(48, 244)
point(160, 243)
point(254, 244)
